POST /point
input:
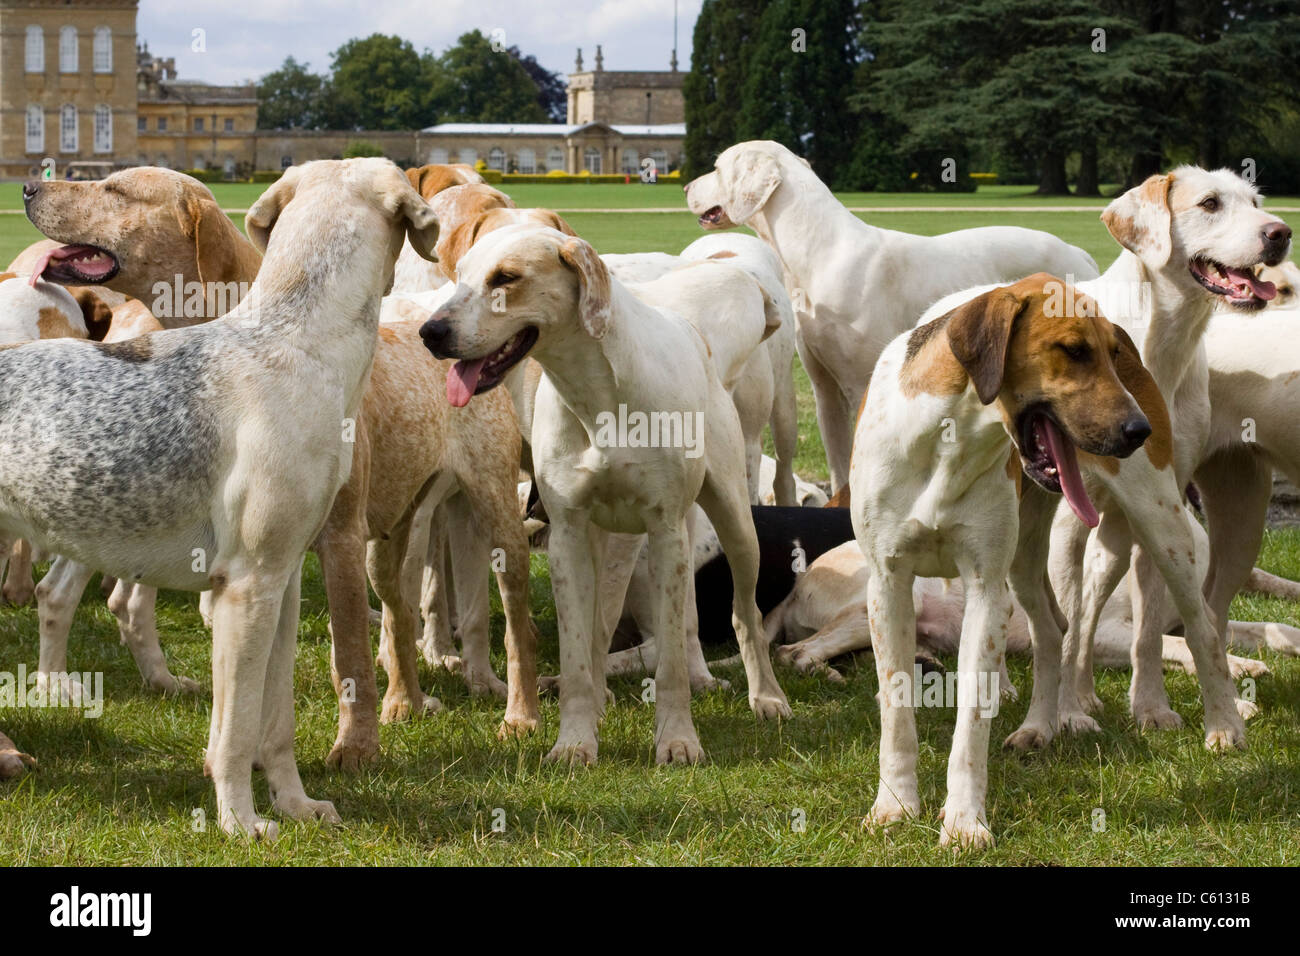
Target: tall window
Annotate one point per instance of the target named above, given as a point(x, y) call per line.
point(631, 162)
point(591, 160)
point(198, 124)
point(103, 128)
point(660, 157)
point(103, 58)
point(527, 161)
point(35, 50)
point(496, 158)
point(68, 50)
point(554, 158)
point(229, 126)
point(35, 129)
point(162, 124)
point(68, 128)
point(467, 156)
point(438, 155)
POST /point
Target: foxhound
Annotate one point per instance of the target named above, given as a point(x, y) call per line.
point(996, 385)
point(856, 287)
point(605, 353)
point(170, 460)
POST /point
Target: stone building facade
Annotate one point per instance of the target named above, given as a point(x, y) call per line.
point(75, 86)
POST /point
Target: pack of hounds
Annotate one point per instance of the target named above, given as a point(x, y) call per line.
point(1020, 477)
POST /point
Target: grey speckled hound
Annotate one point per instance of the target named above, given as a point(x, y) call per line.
point(208, 457)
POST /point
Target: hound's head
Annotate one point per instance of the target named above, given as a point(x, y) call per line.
point(1204, 228)
point(1055, 377)
point(1285, 279)
point(516, 286)
point(744, 178)
point(432, 179)
point(130, 230)
point(342, 208)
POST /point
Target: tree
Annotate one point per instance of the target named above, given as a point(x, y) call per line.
point(379, 82)
point(552, 92)
point(714, 88)
point(805, 56)
point(290, 97)
point(473, 83)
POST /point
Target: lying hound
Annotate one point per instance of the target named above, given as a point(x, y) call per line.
point(209, 457)
point(1285, 280)
point(855, 286)
point(963, 394)
point(602, 348)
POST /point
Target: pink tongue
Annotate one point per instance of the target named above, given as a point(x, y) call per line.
point(41, 263)
point(1263, 290)
point(462, 379)
point(1067, 470)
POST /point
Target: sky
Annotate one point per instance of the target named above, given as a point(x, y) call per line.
point(245, 39)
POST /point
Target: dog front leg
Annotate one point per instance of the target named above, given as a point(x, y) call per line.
point(983, 644)
point(1104, 564)
point(437, 645)
point(892, 619)
point(246, 617)
point(1235, 487)
point(276, 750)
point(134, 607)
point(471, 566)
point(57, 597)
point(573, 578)
point(675, 737)
point(19, 584)
point(384, 562)
point(833, 418)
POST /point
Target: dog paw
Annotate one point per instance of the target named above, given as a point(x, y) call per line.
point(401, 708)
point(257, 829)
point(1157, 717)
point(304, 808)
point(14, 762)
point(770, 706)
point(682, 748)
point(19, 595)
point(485, 684)
point(1240, 667)
point(887, 812)
point(169, 685)
point(352, 752)
point(1077, 722)
point(1224, 739)
point(806, 662)
point(1007, 691)
point(573, 752)
point(965, 829)
point(514, 726)
point(1247, 709)
point(548, 685)
point(1028, 738)
point(705, 683)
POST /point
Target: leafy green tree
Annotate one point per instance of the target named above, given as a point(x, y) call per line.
point(290, 97)
point(552, 91)
point(714, 88)
point(378, 82)
point(473, 83)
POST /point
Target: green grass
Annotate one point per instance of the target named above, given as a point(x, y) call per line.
point(122, 789)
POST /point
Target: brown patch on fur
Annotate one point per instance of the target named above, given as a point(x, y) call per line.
point(723, 254)
point(53, 324)
point(1015, 472)
point(8, 275)
point(930, 366)
point(96, 313)
point(841, 498)
point(432, 179)
point(139, 349)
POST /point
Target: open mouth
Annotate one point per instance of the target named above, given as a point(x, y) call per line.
point(1240, 287)
point(1048, 457)
point(713, 217)
point(76, 265)
point(469, 377)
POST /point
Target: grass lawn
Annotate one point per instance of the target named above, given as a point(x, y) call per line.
point(124, 788)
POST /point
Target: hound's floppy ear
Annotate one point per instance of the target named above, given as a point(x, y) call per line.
point(1140, 220)
point(401, 199)
point(430, 180)
point(203, 221)
point(594, 296)
point(754, 177)
point(979, 332)
point(555, 221)
point(262, 216)
point(771, 314)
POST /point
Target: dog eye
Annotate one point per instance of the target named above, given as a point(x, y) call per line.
point(501, 278)
point(1076, 353)
point(1210, 204)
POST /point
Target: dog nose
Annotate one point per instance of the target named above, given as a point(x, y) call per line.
point(434, 333)
point(30, 189)
point(1135, 431)
point(1277, 232)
